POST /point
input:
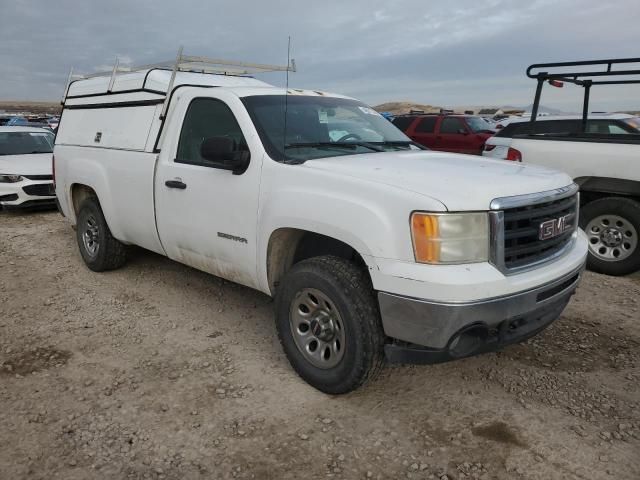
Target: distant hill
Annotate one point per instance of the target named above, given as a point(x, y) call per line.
point(30, 107)
point(398, 108)
point(543, 109)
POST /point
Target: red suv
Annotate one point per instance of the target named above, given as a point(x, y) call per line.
point(449, 133)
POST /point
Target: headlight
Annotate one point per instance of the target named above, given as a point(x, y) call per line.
point(443, 238)
point(10, 178)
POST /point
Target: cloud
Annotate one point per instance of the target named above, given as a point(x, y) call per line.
point(440, 52)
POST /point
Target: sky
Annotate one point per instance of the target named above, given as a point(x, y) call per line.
point(445, 53)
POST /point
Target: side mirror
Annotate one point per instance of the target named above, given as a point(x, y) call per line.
point(462, 131)
point(224, 154)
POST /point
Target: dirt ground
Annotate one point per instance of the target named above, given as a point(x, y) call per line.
point(160, 371)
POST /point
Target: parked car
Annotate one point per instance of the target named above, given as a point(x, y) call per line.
point(371, 246)
point(618, 123)
point(25, 167)
point(602, 158)
point(503, 122)
point(448, 133)
point(18, 121)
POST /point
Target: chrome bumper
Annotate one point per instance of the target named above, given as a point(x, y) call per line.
point(497, 322)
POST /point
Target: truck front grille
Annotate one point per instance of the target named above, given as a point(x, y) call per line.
point(529, 234)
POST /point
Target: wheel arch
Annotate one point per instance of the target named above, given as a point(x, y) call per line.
point(288, 246)
point(78, 193)
point(594, 188)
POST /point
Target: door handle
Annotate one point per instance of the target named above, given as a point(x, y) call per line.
point(175, 184)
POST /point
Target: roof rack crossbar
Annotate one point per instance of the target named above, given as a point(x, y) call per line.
point(185, 63)
point(542, 71)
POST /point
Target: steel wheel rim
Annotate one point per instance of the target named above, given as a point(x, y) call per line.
point(611, 238)
point(317, 328)
point(90, 236)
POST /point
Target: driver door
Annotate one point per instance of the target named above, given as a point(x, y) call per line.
point(206, 215)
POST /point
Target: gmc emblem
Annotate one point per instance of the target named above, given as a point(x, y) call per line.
point(554, 227)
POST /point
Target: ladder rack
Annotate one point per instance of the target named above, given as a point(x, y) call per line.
point(602, 73)
point(184, 63)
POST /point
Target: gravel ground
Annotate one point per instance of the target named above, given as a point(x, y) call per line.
point(160, 371)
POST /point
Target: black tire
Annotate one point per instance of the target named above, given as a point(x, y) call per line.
point(629, 211)
point(109, 253)
point(349, 288)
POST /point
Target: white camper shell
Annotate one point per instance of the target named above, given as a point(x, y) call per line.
point(133, 103)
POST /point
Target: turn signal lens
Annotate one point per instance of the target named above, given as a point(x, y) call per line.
point(424, 229)
point(449, 238)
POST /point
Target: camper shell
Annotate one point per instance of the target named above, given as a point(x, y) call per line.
point(141, 98)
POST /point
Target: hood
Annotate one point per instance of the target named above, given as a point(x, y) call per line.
point(31, 164)
point(460, 182)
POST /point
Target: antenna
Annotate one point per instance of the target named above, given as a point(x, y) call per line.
point(66, 87)
point(286, 92)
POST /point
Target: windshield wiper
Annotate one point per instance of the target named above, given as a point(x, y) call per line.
point(349, 145)
point(400, 143)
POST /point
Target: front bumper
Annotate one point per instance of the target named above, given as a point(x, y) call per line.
point(431, 332)
point(26, 193)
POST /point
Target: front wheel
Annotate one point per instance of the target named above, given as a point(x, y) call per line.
point(612, 226)
point(329, 325)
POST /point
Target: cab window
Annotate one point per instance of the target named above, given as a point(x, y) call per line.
point(606, 127)
point(403, 122)
point(426, 125)
point(206, 118)
point(452, 125)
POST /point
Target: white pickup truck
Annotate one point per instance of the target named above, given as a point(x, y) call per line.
point(608, 173)
point(371, 246)
point(602, 157)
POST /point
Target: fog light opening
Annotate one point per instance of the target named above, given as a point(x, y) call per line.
point(467, 341)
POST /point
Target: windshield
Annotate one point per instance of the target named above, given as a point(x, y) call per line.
point(318, 127)
point(22, 143)
point(479, 124)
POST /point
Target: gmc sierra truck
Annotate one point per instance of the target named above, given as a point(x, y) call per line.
point(372, 247)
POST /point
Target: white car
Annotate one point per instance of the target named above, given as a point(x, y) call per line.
point(26, 178)
point(615, 123)
point(371, 246)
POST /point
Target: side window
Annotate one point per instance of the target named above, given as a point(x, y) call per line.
point(207, 118)
point(556, 126)
point(605, 127)
point(508, 131)
point(426, 125)
point(617, 129)
point(452, 125)
point(520, 128)
point(402, 123)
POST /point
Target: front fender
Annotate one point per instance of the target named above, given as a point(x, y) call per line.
point(370, 217)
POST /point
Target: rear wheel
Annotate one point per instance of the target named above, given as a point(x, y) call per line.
point(612, 226)
point(99, 249)
point(329, 324)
